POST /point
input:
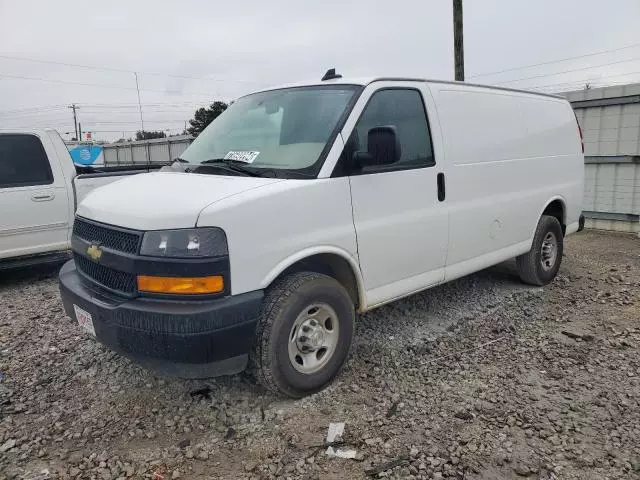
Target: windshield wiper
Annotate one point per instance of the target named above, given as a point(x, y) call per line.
point(232, 165)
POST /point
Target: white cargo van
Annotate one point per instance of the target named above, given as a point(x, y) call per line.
point(302, 205)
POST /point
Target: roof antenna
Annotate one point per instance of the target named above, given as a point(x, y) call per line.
point(331, 75)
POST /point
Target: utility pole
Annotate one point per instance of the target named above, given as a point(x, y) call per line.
point(458, 43)
point(74, 107)
point(79, 132)
point(139, 104)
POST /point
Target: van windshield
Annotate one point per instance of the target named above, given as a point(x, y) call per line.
point(283, 130)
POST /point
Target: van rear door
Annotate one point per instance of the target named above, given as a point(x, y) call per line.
point(400, 217)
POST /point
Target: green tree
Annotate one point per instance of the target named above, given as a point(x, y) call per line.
point(146, 135)
point(204, 116)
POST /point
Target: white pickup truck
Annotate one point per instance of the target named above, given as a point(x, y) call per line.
point(302, 205)
point(40, 188)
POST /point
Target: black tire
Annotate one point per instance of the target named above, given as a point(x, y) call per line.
point(531, 266)
point(283, 303)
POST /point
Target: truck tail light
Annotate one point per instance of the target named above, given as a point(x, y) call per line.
point(181, 285)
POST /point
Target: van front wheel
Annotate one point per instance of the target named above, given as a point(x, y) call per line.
point(540, 265)
point(304, 334)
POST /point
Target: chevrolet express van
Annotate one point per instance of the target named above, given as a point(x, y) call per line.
point(302, 205)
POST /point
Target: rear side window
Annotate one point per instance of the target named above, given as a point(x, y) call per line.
point(403, 109)
point(23, 161)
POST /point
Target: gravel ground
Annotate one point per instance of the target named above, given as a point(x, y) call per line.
point(482, 378)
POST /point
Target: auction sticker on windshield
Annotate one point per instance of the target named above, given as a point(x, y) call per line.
point(84, 320)
point(246, 157)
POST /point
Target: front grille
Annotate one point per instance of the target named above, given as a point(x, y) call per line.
point(120, 240)
point(105, 276)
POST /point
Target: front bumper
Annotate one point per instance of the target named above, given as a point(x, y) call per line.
point(182, 338)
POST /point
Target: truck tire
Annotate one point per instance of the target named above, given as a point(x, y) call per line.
point(304, 334)
point(540, 265)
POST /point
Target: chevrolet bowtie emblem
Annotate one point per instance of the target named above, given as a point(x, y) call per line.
point(95, 252)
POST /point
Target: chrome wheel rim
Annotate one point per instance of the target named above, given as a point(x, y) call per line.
point(549, 251)
point(313, 338)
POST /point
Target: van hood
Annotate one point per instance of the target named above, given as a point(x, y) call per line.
point(162, 200)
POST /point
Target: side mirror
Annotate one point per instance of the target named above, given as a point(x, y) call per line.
point(383, 148)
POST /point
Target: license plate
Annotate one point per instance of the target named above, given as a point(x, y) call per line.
point(84, 320)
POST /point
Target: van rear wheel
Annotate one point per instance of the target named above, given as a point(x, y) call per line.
point(304, 334)
point(540, 265)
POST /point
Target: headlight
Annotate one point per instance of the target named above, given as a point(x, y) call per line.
point(185, 243)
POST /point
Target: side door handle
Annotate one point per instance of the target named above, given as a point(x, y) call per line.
point(42, 197)
point(441, 187)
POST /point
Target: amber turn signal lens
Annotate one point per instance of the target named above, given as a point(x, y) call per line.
point(181, 285)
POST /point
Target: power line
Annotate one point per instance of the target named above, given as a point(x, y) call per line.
point(131, 111)
point(189, 102)
point(75, 65)
point(90, 115)
point(10, 116)
point(31, 109)
point(87, 126)
point(108, 106)
point(118, 131)
point(145, 105)
point(112, 131)
point(567, 84)
point(577, 86)
point(101, 85)
point(554, 61)
point(122, 70)
point(601, 79)
point(568, 71)
point(92, 112)
point(134, 122)
point(64, 128)
point(97, 121)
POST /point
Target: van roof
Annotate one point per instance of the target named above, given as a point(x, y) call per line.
point(364, 81)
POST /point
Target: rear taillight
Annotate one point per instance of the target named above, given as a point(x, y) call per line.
point(580, 133)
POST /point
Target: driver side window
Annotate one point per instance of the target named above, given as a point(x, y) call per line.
point(403, 109)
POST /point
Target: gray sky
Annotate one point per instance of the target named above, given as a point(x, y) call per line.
point(236, 47)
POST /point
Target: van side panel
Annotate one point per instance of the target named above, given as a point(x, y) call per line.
point(510, 154)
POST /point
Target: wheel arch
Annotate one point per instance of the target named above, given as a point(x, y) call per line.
point(328, 260)
point(555, 207)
